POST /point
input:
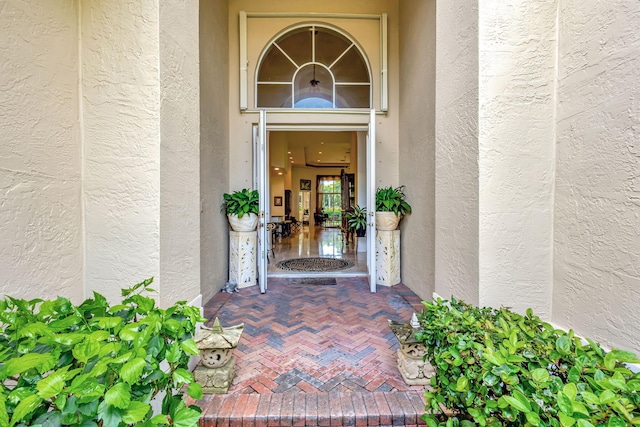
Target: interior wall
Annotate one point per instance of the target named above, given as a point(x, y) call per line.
point(517, 66)
point(417, 142)
point(214, 144)
point(456, 235)
point(597, 195)
point(179, 152)
point(262, 30)
point(40, 154)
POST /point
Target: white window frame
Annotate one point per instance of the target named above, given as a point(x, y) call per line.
point(243, 64)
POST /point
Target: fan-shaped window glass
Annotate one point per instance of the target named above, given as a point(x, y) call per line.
point(313, 67)
point(276, 67)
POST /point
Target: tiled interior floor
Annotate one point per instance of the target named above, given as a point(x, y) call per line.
point(313, 241)
point(315, 355)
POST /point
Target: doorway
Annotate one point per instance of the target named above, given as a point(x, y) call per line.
point(306, 166)
point(296, 159)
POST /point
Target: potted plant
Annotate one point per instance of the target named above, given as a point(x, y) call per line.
point(242, 209)
point(391, 206)
point(357, 220)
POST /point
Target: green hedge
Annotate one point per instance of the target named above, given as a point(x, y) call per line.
point(96, 364)
point(498, 368)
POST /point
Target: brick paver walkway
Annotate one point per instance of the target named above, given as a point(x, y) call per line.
point(315, 355)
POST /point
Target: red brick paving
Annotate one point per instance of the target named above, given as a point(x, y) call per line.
point(315, 356)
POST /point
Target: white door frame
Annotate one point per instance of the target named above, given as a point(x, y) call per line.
point(261, 180)
point(261, 183)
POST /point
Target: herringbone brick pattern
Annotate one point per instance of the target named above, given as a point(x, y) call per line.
point(312, 352)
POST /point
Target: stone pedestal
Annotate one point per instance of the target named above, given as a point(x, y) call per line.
point(242, 258)
point(388, 257)
point(412, 367)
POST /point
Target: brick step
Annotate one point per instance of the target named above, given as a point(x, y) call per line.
point(398, 408)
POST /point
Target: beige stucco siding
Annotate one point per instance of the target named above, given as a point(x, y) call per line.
point(179, 151)
point(214, 143)
point(597, 197)
point(40, 152)
point(417, 143)
point(456, 200)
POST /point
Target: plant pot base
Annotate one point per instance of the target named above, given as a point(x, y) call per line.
point(387, 221)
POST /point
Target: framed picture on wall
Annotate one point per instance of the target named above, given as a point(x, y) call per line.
point(305, 185)
point(277, 201)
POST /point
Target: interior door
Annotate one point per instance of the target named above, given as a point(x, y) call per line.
point(262, 184)
point(371, 201)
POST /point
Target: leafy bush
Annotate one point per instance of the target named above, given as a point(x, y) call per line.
point(498, 368)
point(96, 364)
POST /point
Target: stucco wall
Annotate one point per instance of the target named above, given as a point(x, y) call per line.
point(121, 96)
point(214, 144)
point(456, 235)
point(517, 44)
point(597, 210)
point(40, 151)
point(179, 151)
point(417, 142)
point(262, 30)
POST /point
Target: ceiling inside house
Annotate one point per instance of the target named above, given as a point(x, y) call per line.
point(317, 149)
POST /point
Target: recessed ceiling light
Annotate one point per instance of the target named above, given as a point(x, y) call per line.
point(319, 152)
point(276, 169)
point(321, 142)
point(289, 152)
point(290, 157)
point(291, 161)
point(279, 173)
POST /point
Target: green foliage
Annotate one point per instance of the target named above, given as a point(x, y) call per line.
point(241, 202)
point(391, 199)
point(357, 219)
point(96, 364)
point(498, 368)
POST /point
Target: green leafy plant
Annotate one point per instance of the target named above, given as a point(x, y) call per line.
point(391, 199)
point(97, 364)
point(498, 368)
point(241, 202)
point(357, 220)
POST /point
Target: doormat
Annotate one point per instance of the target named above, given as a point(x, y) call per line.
point(314, 264)
point(313, 281)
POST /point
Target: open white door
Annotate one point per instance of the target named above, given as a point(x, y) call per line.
point(262, 184)
point(371, 201)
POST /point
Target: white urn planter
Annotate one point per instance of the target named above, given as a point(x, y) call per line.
point(248, 222)
point(387, 221)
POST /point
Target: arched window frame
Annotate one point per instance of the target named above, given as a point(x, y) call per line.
point(352, 45)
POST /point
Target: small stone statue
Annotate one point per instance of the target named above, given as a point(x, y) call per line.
point(217, 368)
point(230, 287)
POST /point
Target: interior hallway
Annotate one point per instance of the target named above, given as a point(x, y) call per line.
point(317, 241)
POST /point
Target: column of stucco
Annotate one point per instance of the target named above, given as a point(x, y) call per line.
point(517, 44)
point(597, 210)
point(179, 152)
point(456, 235)
point(214, 143)
point(40, 180)
point(417, 141)
point(121, 101)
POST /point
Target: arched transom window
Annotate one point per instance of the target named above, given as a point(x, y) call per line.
point(313, 67)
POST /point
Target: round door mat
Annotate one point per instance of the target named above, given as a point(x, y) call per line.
point(314, 264)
